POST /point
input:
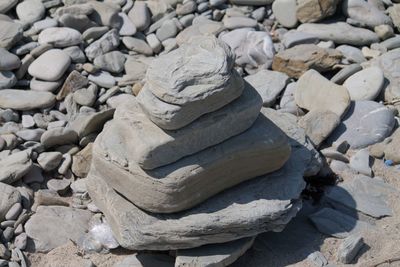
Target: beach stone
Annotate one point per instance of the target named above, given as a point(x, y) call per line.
point(105, 14)
point(217, 255)
point(61, 225)
point(315, 10)
point(9, 196)
point(85, 97)
point(14, 167)
point(154, 43)
point(58, 136)
point(128, 28)
point(45, 86)
point(140, 15)
point(74, 81)
point(394, 13)
point(173, 99)
point(142, 259)
point(360, 162)
point(365, 123)
point(270, 205)
point(314, 91)
point(60, 36)
point(208, 163)
point(269, 84)
point(232, 23)
point(365, 13)
point(340, 33)
point(50, 66)
point(317, 259)
point(345, 73)
point(108, 42)
point(287, 103)
point(87, 123)
point(351, 54)
point(293, 38)
point(25, 99)
point(30, 134)
point(81, 161)
point(201, 27)
point(349, 248)
point(155, 147)
point(103, 79)
point(61, 186)
point(384, 31)
point(167, 30)
point(365, 84)
point(318, 124)
point(14, 211)
point(8, 60)
point(77, 22)
point(285, 12)
point(252, 48)
point(30, 11)
point(337, 224)
point(369, 196)
point(35, 175)
point(297, 60)
point(111, 61)
point(7, 79)
point(5, 6)
point(138, 45)
point(388, 63)
point(10, 33)
point(186, 8)
point(49, 161)
point(251, 2)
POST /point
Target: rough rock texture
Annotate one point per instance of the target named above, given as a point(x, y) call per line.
point(194, 79)
point(181, 185)
point(297, 60)
point(152, 147)
point(214, 255)
point(315, 10)
point(263, 204)
point(73, 222)
point(314, 91)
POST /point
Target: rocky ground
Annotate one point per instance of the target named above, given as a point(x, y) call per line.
point(179, 86)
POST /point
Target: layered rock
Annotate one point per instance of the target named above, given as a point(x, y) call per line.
point(186, 163)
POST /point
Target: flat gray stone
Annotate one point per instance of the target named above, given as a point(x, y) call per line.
point(60, 37)
point(6, 5)
point(201, 27)
point(260, 205)
point(285, 12)
point(337, 224)
point(49, 160)
point(54, 226)
point(360, 162)
point(349, 248)
point(365, 84)
point(102, 79)
point(215, 255)
point(340, 33)
point(140, 15)
point(365, 13)
point(14, 167)
point(9, 196)
point(7, 79)
point(108, 42)
point(30, 11)
point(58, 136)
point(86, 124)
point(105, 14)
point(25, 99)
point(345, 73)
point(269, 84)
point(232, 23)
point(261, 149)
point(152, 147)
point(137, 45)
point(314, 91)
point(351, 54)
point(50, 66)
point(365, 123)
point(167, 30)
point(367, 195)
point(111, 61)
point(293, 38)
point(142, 260)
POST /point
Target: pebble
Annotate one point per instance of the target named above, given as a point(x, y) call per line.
point(239, 22)
point(50, 66)
point(285, 12)
point(14, 212)
point(293, 38)
point(351, 54)
point(5, 6)
point(60, 186)
point(154, 43)
point(10, 33)
point(8, 60)
point(317, 259)
point(25, 100)
point(137, 45)
point(76, 54)
point(21, 241)
point(45, 86)
point(128, 28)
point(60, 36)
point(111, 61)
point(58, 136)
point(49, 161)
point(34, 175)
point(315, 10)
point(365, 13)
point(30, 134)
point(167, 30)
point(360, 162)
point(108, 42)
point(140, 15)
point(345, 73)
point(30, 11)
point(103, 79)
point(7, 79)
point(365, 84)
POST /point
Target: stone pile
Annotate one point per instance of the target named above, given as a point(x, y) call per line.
point(176, 167)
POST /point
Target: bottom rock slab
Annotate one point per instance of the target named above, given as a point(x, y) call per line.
point(266, 203)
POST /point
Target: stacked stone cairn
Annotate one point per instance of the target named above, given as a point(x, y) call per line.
point(191, 160)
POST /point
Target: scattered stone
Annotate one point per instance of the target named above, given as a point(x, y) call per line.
point(14, 167)
point(349, 248)
point(30, 11)
point(7, 79)
point(360, 162)
point(81, 161)
point(293, 38)
point(60, 186)
point(108, 42)
point(49, 160)
point(137, 45)
point(365, 84)
point(10, 33)
point(50, 66)
point(345, 73)
point(74, 81)
point(317, 259)
point(297, 60)
point(8, 60)
point(140, 15)
point(14, 212)
point(315, 10)
point(9, 196)
point(60, 36)
point(112, 61)
point(285, 12)
point(139, 260)
point(316, 92)
point(365, 13)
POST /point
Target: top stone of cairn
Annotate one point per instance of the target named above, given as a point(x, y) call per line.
point(195, 79)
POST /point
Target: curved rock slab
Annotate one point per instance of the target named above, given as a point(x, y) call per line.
point(173, 117)
point(196, 71)
point(183, 184)
point(365, 123)
point(152, 147)
point(263, 204)
point(340, 33)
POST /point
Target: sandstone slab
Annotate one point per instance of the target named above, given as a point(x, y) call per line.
point(263, 204)
point(297, 60)
point(152, 147)
point(314, 91)
point(192, 179)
